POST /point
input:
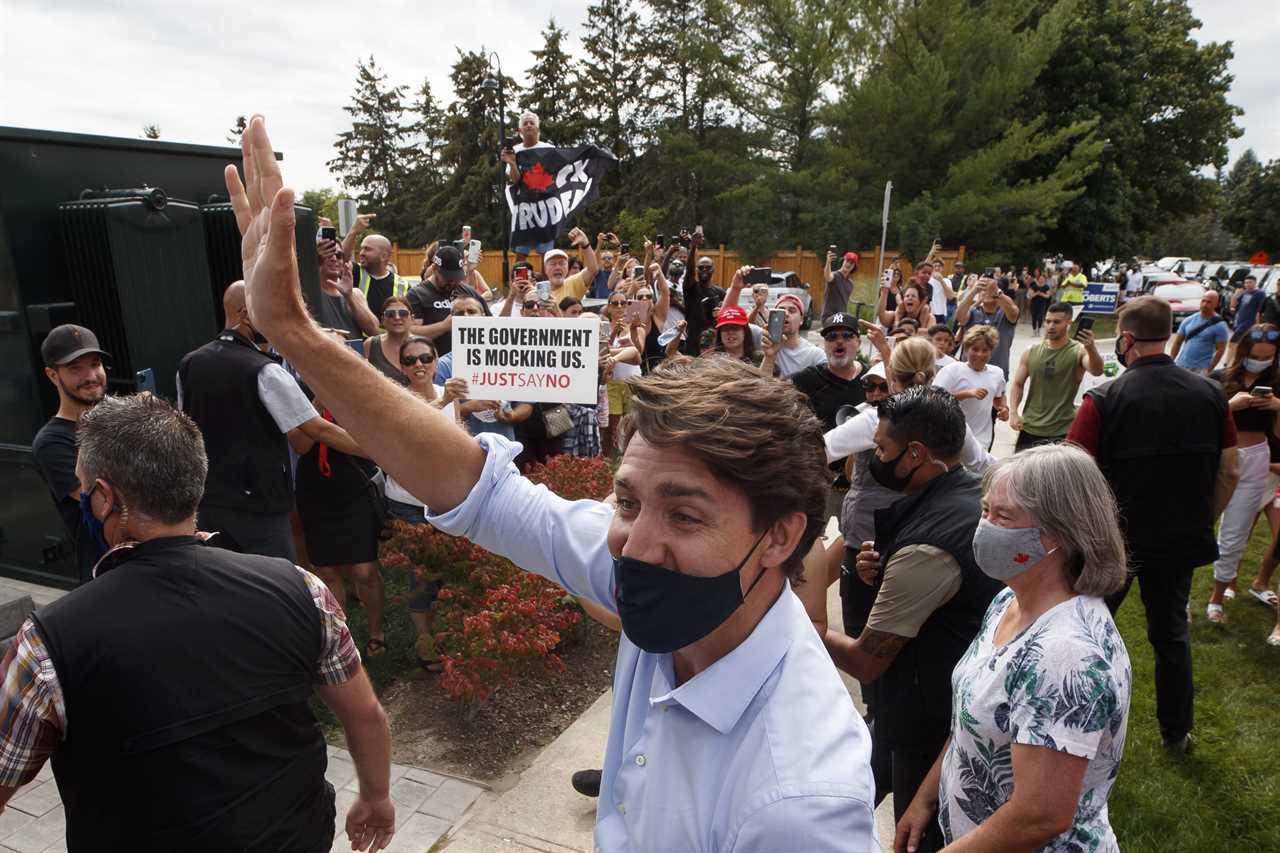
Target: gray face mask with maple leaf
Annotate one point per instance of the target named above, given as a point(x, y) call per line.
point(1006, 552)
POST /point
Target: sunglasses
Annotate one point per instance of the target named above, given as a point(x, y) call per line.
point(393, 313)
point(424, 359)
point(617, 304)
point(529, 306)
point(874, 385)
point(1268, 335)
point(838, 336)
point(645, 296)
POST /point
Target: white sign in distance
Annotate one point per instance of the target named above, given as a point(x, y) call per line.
point(528, 359)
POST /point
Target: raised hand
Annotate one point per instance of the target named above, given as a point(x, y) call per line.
point(265, 216)
point(345, 282)
point(455, 389)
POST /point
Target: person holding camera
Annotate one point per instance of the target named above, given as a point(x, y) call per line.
point(431, 300)
point(835, 300)
point(1248, 384)
point(1054, 367)
point(342, 305)
point(985, 304)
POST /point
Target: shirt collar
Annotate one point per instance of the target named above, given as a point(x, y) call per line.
point(721, 693)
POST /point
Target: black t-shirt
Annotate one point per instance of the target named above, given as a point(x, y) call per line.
point(380, 289)
point(430, 305)
point(54, 449)
point(828, 392)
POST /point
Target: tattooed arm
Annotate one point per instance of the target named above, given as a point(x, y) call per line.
point(917, 581)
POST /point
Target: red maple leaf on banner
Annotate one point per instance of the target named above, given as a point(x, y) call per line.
point(537, 178)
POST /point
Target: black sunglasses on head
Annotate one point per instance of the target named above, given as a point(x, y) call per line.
point(410, 360)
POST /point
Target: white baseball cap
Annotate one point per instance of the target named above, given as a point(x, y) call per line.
point(555, 253)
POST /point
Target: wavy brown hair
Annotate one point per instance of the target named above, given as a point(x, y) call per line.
point(753, 432)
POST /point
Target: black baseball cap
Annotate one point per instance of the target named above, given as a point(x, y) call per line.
point(841, 320)
point(68, 342)
point(449, 262)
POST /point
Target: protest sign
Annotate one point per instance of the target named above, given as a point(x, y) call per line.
point(528, 359)
point(1101, 297)
point(555, 184)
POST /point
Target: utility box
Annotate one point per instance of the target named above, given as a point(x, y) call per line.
point(84, 238)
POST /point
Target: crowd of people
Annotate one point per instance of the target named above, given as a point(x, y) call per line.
point(977, 594)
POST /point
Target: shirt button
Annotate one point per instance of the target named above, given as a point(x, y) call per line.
point(639, 761)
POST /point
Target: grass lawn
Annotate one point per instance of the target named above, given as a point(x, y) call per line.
point(1225, 796)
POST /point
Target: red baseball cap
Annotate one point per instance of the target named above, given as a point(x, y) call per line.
point(790, 297)
point(731, 315)
point(851, 256)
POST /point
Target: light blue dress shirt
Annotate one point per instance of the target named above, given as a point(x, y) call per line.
point(762, 751)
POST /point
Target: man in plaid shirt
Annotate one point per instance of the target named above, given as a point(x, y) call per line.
point(171, 692)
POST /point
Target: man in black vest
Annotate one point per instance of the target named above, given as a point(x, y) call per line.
point(250, 411)
point(930, 594)
point(172, 693)
point(1166, 441)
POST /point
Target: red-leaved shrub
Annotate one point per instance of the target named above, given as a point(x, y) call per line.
point(492, 619)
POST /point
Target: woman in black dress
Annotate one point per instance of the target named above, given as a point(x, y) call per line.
point(341, 514)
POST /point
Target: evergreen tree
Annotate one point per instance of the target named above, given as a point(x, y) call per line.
point(424, 170)
point(935, 114)
point(324, 202)
point(151, 131)
point(1252, 209)
point(370, 156)
point(474, 177)
point(237, 130)
point(1157, 96)
point(610, 76)
point(552, 90)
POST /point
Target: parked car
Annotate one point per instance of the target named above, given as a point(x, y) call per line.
point(1167, 264)
point(783, 283)
point(1192, 269)
point(1183, 297)
point(1152, 280)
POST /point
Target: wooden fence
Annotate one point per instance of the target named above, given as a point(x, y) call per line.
point(805, 264)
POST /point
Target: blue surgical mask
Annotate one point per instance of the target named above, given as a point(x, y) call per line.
point(1256, 365)
point(91, 521)
point(1006, 552)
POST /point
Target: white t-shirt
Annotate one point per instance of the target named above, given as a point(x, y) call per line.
point(794, 360)
point(942, 361)
point(938, 299)
point(859, 433)
point(520, 146)
point(977, 413)
point(1134, 283)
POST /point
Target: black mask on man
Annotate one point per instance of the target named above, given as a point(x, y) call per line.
point(883, 472)
point(663, 610)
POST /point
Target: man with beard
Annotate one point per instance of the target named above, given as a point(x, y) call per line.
point(342, 306)
point(73, 363)
point(250, 411)
point(832, 385)
point(432, 300)
point(555, 266)
point(373, 273)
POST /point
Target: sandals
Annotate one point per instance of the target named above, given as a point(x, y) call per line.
point(1266, 596)
point(1216, 614)
point(374, 647)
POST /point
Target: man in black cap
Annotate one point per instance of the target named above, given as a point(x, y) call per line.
point(250, 412)
point(836, 383)
point(431, 300)
point(73, 363)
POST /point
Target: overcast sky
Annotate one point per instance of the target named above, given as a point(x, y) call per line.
point(111, 66)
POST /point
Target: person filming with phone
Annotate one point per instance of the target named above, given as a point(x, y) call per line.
point(1054, 367)
point(1249, 385)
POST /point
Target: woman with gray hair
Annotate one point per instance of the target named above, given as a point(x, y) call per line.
point(1042, 695)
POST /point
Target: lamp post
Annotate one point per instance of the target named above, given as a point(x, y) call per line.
point(491, 84)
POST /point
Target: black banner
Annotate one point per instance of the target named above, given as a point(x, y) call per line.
point(555, 183)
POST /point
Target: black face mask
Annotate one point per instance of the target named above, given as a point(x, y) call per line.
point(704, 275)
point(1120, 356)
point(663, 610)
point(882, 472)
